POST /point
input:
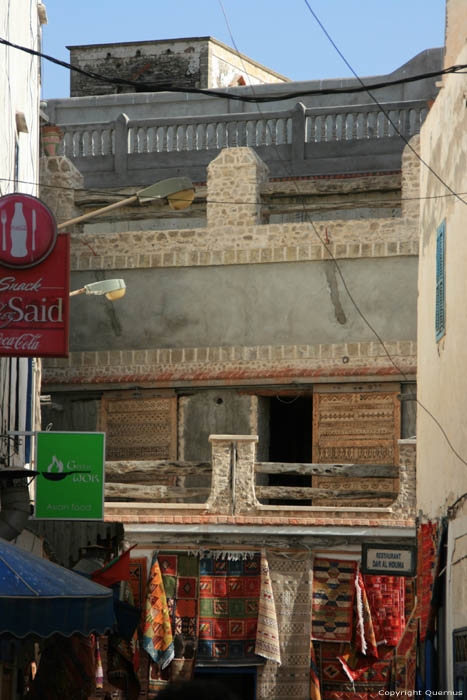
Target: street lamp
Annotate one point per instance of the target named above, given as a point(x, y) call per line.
point(113, 289)
point(179, 192)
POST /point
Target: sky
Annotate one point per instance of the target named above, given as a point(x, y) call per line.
point(375, 36)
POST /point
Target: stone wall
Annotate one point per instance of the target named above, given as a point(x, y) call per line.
point(60, 181)
point(196, 62)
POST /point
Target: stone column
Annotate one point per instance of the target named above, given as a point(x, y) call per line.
point(410, 186)
point(220, 498)
point(233, 474)
point(245, 500)
point(234, 182)
point(405, 504)
point(59, 179)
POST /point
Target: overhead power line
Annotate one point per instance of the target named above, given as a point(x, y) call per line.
point(381, 107)
point(338, 267)
point(167, 86)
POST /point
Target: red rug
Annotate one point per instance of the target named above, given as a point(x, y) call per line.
point(228, 610)
point(180, 574)
point(335, 683)
point(386, 596)
point(427, 537)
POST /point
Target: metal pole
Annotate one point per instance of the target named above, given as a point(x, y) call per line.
point(97, 212)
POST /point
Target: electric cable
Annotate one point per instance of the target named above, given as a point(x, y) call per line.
point(156, 87)
point(433, 172)
point(385, 112)
point(344, 283)
point(167, 86)
point(347, 200)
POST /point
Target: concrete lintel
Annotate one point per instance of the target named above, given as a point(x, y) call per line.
point(285, 531)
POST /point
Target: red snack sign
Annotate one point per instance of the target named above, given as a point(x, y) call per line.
point(34, 280)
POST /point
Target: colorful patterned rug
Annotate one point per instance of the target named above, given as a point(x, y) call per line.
point(427, 546)
point(406, 659)
point(157, 630)
point(333, 599)
point(267, 633)
point(138, 580)
point(336, 685)
point(386, 596)
point(315, 683)
point(291, 578)
point(228, 610)
point(180, 575)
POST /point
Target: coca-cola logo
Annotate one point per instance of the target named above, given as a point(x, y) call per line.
point(28, 231)
point(25, 341)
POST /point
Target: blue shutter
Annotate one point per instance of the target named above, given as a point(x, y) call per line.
point(440, 313)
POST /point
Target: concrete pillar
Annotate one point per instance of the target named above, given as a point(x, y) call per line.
point(233, 474)
point(245, 500)
point(234, 182)
point(220, 498)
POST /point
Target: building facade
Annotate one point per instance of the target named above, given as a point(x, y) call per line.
point(256, 383)
point(441, 443)
point(20, 23)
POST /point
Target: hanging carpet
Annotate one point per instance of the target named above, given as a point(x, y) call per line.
point(333, 599)
point(157, 631)
point(180, 576)
point(228, 610)
point(267, 633)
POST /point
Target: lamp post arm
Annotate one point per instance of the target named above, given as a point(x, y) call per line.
point(97, 212)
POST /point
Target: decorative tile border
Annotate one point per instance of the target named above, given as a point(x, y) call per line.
point(238, 362)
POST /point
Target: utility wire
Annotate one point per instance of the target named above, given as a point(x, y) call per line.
point(341, 275)
point(376, 101)
point(167, 86)
point(271, 205)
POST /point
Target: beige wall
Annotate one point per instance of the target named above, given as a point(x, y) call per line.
point(19, 92)
point(442, 476)
point(225, 66)
point(456, 30)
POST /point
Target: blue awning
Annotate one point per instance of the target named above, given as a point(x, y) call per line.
point(41, 598)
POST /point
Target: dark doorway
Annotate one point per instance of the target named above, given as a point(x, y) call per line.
point(291, 424)
point(240, 681)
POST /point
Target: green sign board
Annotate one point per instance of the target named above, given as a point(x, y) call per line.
point(70, 485)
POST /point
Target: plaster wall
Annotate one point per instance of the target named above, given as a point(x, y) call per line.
point(213, 412)
point(226, 66)
point(19, 92)
point(235, 305)
point(456, 22)
point(441, 475)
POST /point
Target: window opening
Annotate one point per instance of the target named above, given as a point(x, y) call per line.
point(290, 424)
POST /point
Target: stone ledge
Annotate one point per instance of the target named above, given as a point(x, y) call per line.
point(245, 520)
point(149, 255)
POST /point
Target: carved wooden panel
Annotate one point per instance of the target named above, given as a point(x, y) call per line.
point(360, 428)
point(140, 428)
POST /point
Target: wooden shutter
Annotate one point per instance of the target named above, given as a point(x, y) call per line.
point(440, 311)
point(141, 428)
point(356, 427)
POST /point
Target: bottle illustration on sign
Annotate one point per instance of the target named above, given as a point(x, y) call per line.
point(18, 233)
